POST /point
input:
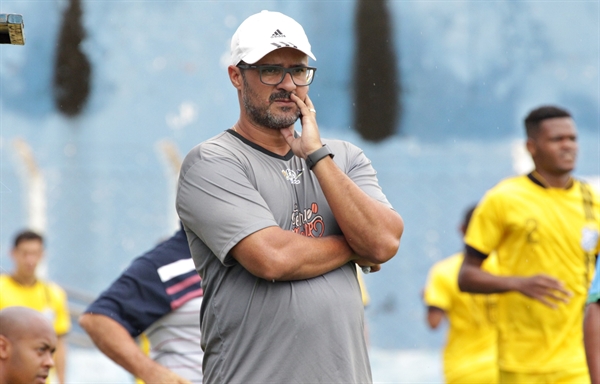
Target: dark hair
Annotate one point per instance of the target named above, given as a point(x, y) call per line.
point(27, 235)
point(467, 217)
point(535, 117)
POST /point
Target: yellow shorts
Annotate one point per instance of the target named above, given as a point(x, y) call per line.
point(570, 376)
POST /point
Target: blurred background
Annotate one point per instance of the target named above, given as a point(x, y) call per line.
point(106, 97)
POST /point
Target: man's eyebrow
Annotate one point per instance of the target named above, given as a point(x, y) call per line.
point(46, 345)
point(564, 135)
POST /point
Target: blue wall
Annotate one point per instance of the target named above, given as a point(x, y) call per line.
point(470, 71)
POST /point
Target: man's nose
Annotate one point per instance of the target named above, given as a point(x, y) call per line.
point(48, 361)
point(287, 83)
point(569, 144)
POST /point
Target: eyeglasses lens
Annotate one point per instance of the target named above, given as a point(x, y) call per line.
point(273, 75)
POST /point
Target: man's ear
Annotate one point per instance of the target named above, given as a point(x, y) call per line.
point(530, 145)
point(235, 76)
point(4, 347)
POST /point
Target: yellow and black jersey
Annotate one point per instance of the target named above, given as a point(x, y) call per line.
point(536, 229)
point(470, 354)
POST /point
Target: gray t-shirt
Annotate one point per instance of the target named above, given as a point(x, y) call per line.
point(253, 330)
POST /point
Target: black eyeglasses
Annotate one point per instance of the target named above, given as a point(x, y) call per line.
point(274, 74)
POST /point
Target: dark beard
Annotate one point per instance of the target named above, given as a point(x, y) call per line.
point(263, 116)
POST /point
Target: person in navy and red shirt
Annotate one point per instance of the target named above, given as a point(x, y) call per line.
point(159, 295)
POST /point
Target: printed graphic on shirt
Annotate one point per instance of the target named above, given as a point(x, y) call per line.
point(293, 176)
point(49, 314)
point(589, 238)
point(308, 222)
point(531, 227)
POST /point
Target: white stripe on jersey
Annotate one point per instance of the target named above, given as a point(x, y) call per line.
point(169, 271)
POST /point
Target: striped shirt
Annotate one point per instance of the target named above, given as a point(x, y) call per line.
point(160, 294)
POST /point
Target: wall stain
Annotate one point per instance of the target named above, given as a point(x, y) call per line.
point(72, 69)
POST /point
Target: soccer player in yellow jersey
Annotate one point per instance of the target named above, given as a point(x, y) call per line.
point(544, 227)
point(23, 288)
point(470, 353)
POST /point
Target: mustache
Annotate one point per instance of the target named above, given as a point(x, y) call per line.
point(285, 95)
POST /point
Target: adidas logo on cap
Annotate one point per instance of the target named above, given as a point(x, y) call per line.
point(277, 33)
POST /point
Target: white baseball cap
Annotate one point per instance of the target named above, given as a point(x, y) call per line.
point(265, 32)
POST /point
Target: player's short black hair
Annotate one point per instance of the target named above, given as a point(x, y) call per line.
point(536, 116)
point(467, 217)
point(27, 234)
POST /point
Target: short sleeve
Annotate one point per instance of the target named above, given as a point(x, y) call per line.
point(486, 227)
point(360, 170)
point(208, 199)
point(135, 300)
point(438, 290)
point(62, 321)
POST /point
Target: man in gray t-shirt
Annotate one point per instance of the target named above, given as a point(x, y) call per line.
point(276, 224)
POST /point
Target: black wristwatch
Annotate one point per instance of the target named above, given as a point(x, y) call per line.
point(318, 155)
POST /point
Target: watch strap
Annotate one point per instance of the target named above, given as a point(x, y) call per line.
point(318, 155)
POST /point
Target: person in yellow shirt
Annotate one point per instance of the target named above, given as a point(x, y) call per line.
point(544, 227)
point(23, 288)
point(470, 353)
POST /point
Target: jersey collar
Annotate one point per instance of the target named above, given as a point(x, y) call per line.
point(538, 179)
point(286, 157)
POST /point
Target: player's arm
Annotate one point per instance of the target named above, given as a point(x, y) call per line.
point(434, 295)
point(591, 329)
point(62, 324)
point(60, 357)
point(435, 316)
point(473, 279)
point(116, 343)
point(372, 229)
point(276, 254)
